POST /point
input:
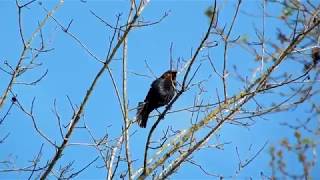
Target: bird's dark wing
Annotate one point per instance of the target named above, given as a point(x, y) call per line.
point(155, 92)
point(162, 91)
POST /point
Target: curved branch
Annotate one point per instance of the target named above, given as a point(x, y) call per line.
point(183, 89)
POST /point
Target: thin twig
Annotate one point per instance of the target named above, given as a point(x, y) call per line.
point(89, 92)
point(183, 88)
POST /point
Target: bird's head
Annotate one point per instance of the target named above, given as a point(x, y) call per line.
point(170, 75)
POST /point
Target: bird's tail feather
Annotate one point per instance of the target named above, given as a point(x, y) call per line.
point(142, 114)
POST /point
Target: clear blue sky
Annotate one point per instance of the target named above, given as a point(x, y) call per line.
point(71, 70)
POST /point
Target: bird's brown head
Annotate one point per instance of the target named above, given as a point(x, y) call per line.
point(170, 75)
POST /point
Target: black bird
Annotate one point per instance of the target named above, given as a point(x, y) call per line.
point(161, 92)
point(315, 55)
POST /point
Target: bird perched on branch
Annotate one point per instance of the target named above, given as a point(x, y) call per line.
point(315, 55)
point(161, 92)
